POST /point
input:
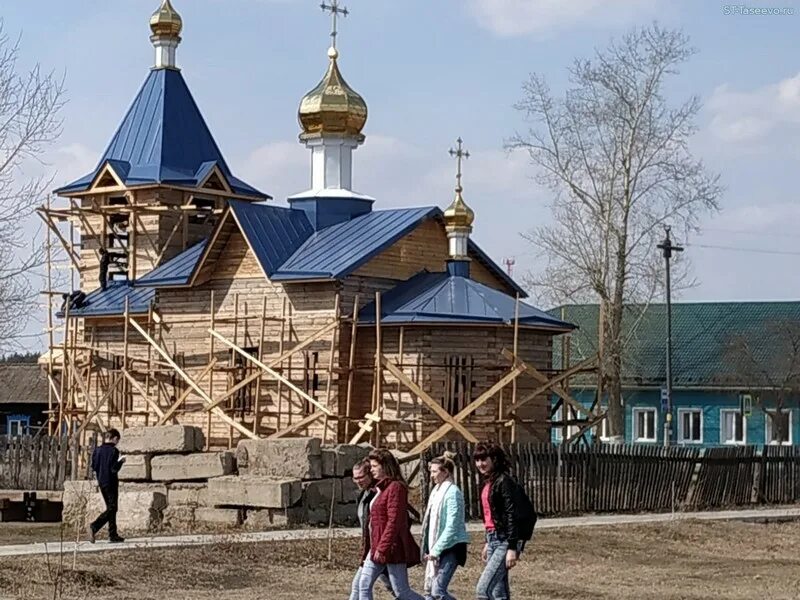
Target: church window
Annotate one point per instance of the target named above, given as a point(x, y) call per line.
point(458, 383)
point(204, 210)
point(243, 401)
point(117, 240)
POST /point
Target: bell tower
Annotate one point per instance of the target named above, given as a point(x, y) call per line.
point(161, 182)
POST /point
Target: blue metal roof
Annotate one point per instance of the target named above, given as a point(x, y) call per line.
point(273, 232)
point(163, 139)
point(338, 250)
point(111, 301)
point(455, 300)
point(177, 270)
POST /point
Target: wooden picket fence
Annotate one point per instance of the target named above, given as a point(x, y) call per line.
point(32, 463)
point(597, 479)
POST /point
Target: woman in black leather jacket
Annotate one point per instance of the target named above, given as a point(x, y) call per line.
point(503, 543)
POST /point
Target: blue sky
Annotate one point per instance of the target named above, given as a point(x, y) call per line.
point(432, 70)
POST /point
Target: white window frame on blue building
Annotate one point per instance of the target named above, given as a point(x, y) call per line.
point(637, 438)
point(682, 437)
point(734, 411)
point(768, 428)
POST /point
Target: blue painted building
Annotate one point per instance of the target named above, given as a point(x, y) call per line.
point(734, 364)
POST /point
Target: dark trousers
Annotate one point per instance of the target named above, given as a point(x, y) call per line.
point(111, 497)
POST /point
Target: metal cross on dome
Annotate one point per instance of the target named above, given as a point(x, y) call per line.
point(335, 11)
point(460, 154)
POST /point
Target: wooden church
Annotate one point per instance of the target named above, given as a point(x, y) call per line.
point(203, 301)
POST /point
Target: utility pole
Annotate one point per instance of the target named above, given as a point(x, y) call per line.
point(668, 248)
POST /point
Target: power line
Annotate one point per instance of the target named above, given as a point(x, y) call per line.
point(740, 249)
point(770, 234)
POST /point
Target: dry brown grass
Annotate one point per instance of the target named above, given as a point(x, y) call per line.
point(686, 560)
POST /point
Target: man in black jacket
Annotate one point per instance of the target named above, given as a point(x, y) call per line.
point(362, 477)
point(106, 464)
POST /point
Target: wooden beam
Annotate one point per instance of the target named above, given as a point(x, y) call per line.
point(307, 420)
point(429, 402)
point(143, 393)
point(271, 364)
point(67, 248)
point(169, 239)
point(306, 342)
point(547, 384)
point(87, 398)
point(99, 405)
point(471, 408)
point(205, 397)
point(366, 426)
point(351, 362)
point(553, 383)
point(185, 394)
point(243, 383)
point(592, 423)
point(329, 382)
point(269, 371)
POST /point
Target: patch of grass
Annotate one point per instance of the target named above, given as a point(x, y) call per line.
point(687, 560)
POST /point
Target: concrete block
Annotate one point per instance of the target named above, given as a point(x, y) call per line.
point(267, 518)
point(188, 467)
point(350, 491)
point(295, 458)
point(231, 517)
point(143, 486)
point(186, 494)
point(166, 439)
point(343, 514)
point(346, 514)
point(77, 496)
point(136, 468)
point(338, 461)
point(253, 491)
point(178, 517)
point(317, 494)
point(140, 509)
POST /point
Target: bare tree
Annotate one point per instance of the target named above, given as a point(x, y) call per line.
point(30, 106)
point(615, 155)
point(767, 365)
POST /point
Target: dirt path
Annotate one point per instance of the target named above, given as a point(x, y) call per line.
point(689, 560)
point(46, 539)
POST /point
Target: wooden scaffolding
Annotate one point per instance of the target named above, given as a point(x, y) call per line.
point(92, 386)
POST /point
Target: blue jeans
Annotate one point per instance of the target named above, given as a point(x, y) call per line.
point(383, 578)
point(398, 577)
point(448, 563)
point(493, 584)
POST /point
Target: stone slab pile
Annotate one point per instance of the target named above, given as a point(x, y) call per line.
point(167, 481)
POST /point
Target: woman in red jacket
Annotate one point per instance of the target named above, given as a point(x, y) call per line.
point(388, 545)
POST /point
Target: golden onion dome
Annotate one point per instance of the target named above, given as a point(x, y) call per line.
point(458, 214)
point(333, 107)
point(166, 21)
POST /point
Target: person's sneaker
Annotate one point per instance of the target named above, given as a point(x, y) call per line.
point(90, 531)
point(116, 540)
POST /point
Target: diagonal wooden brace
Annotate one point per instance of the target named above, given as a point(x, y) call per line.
point(274, 374)
point(299, 425)
point(143, 393)
point(468, 410)
point(429, 402)
point(554, 383)
point(171, 410)
point(365, 427)
point(192, 383)
point(99, 406)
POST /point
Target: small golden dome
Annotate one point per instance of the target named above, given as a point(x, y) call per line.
point(166, 21)
point(458, 214)
point(332, 107)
